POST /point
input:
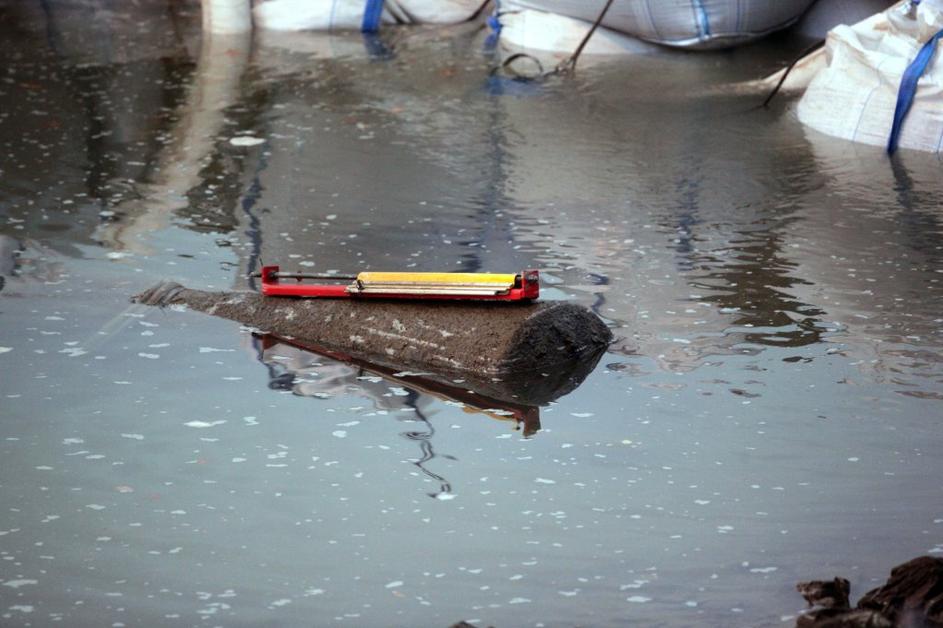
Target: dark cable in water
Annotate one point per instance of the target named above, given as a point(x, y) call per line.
point(807, 51)
point(569, 65)
point(566, 66)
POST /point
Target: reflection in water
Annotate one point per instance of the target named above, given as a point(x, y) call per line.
point(424, 438)
point(189, 177)
point(753, 282)
point(310, 371)
point(779, 295)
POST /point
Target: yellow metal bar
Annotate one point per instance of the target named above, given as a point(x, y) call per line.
point(420, 289)
point(469, 280)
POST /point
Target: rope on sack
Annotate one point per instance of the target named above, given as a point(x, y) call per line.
point(789, 68)
point(569, 64)
point(908, 89)
point(566, 66)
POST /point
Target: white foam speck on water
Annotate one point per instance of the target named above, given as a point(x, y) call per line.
point(310, 592)
point(16, 584)
point(544, 481)
point(246, 140)
point(239, 459)
point(6, 349)
point(398, 392)
point(638, 599)
point(150, 356)
point(519, 600)
point(348, 424)
point(339, 433)
point(281, 602)
point(444, 497)
point(581, 415)
point(214, 350)
point(94, 506)
point(133, 436)
point(395, 584)
point(763, 569)
point(23, 608)
point(204, 424)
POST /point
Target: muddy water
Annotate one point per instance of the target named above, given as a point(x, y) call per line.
point(770, 412)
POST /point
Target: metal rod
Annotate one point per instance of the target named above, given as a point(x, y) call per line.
point(306, 276)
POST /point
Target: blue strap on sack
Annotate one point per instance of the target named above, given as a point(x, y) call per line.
point(908, 89)
point(372, 13)
point(703, 20)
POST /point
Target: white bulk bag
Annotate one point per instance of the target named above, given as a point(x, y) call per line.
point(827, 14)
point(551, 32)
point(854, 97)
point(296, 15)
point(686, 23)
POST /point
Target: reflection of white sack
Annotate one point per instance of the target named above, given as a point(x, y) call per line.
point(294, 15)
point(686, 23)
point(539, 30)
point(855, 96)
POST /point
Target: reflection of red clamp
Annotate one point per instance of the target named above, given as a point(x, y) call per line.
point(524, 286)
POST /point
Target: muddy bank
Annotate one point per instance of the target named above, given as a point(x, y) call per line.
point(912, 597)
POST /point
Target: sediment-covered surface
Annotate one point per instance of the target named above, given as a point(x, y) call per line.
point(488, 339)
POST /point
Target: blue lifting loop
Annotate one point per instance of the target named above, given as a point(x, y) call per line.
point(372, 13)
point(908, 89)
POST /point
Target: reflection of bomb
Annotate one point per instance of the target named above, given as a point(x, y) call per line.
point(291, 365)
point(308, 374)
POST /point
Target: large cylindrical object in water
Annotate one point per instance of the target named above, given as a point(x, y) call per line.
point(539, 341)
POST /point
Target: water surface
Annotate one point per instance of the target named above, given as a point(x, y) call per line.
point(769, 413)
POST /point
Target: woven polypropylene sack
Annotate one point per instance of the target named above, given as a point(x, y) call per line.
point(348, 14)
point(683, 23)
point(854, 97)
point(827, 14)
point(542, 31)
